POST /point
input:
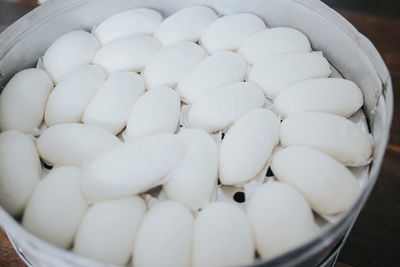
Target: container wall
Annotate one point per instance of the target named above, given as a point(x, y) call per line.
point(352, 54)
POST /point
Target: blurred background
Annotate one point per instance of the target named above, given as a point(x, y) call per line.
point(375, 238)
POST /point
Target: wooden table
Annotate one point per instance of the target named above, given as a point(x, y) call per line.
point(375, 238)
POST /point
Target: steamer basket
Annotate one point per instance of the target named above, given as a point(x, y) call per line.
point(348, 51)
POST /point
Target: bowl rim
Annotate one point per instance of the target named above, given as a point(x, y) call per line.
point(15, 32)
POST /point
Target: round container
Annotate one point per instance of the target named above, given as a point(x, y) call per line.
point(347, 50)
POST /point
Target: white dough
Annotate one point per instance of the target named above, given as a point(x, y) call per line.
point(329, 187)
point(69, 99)
point(164, 237)
point(185, 25)
point(68, 52)
point(214, 71)
point(229, 32)
point(221, 107)
point(333, 135)
point(274, 73)
point(156, 130)
point(132, 167)
point(20, 171)
point(222, 236)
point(73, 143)
point(112, 104)
point(337, 96)
point(128, 22)
point(247, 146)
point(281, 219)
point(168, 66)
point(193, 181)
point(273, 41)
point(130, 53)
point(108, 230)
point(157, 111)
point(23, 100)
point(56, 207)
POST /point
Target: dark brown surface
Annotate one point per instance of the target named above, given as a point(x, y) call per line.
point(375, 238)
point(387, 8)
point(8, 256)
